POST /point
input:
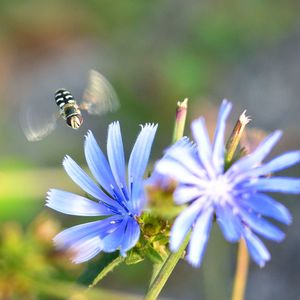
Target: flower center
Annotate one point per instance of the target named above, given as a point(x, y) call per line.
point(218, 190)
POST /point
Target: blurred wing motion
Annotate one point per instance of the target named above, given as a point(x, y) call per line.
point(37, 126)
point(99, 97)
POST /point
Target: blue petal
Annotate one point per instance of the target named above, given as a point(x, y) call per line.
point(268, 207)
point(261, 226)
point(183, 143)
point(86, 249)
point(257, 249)
point(115, 153)
point(140, 153)
point(199, 238)
point(185, 154)
point(257, 156)
point(275, 184)
point(72, 235)
point(114, 240)
point(83, 180)
point(281, 162)
point(183, 224)
point(72, 204)
point(203, 144)
point(131, 236)
point(229, 223)
point(175, 170)
point(218, 155)
point(186, 193)
point(98, 163)
point(138, 197)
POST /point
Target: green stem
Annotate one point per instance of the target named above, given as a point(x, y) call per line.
point(106, 270)
point(156, 270)
point(162, 272)
point(67, 290)
point(165, 272)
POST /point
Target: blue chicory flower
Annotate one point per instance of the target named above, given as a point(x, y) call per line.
point(120, 203)
point(236, 197)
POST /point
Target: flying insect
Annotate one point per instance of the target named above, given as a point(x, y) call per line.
point(98, 98)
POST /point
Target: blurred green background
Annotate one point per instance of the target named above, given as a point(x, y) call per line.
point(154, 53)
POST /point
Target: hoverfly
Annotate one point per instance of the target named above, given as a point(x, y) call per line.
point(98, 98)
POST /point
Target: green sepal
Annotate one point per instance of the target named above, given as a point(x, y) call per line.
point(153, 255)
point(133, 257)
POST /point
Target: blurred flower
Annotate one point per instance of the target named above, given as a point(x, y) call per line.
point(235, 196)
point(120, 203)
point(19, 249)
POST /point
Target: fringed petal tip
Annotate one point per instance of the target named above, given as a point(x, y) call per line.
point(88, 136)
point(66, 160)
point(148, 126)
point(48, 197)
point(113, 124)
point(226, 104)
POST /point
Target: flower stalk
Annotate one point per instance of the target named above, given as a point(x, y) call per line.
point(166, 270)
point(241, 273)
point(110, 267)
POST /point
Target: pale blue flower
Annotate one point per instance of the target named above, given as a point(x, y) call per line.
point(235, 197)
point(118, 199)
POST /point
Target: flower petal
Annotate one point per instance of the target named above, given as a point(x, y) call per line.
point(276, 184)
point(83, 180)
point(114, 240)
point(131, 236)
point(98, 163)
point(279, 163)
point(176, 171)
point(257, 249)
point(186, 193)
point(68, 237)
point(86, 249)
point(200, 237)
point(115, 153)
point(265, 205)
point(73, 204)
point(140, 153)
point(229, 223)
point(183, 224)
point(218, 156)
point(200, 135)
point(184, 153)
point(255, 158)
point(138, 197)
point(261, 226)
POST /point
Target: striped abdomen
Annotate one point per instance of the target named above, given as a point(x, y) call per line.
point(63, 97)
point(69, 110)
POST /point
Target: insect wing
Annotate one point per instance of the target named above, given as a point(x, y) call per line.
point(36, 126)
point(99, 97)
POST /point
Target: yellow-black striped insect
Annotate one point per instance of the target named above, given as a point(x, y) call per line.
point(98, 98)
